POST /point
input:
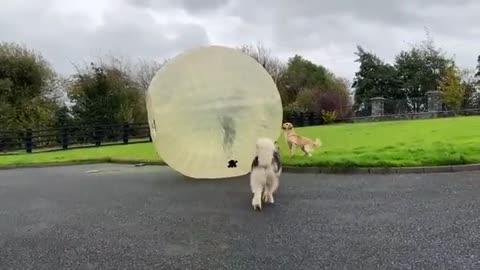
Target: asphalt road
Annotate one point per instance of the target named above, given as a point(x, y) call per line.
point(125, 217)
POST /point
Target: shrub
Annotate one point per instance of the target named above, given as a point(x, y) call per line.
point(294, 108)
point(329, 116)
point(333, 101)
point(292, 111)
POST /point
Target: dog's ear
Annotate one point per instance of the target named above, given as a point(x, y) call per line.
point(277, 147)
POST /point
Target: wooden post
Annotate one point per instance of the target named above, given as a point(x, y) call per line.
point(126, 129)
point(65, 137)
point(299, 120)
point(28, 140)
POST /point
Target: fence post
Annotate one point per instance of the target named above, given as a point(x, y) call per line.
point(299, 120)
point(149, 131)
point(317, 118)
point(289, 117)
point(434, 101)
point(311, 119)
point(378, 106)
point(98, 135)
point(305, 119)
point(64, 138)
point(126, 129)
point(28, 140)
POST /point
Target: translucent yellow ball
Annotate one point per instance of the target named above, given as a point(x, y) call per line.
point(207, 107)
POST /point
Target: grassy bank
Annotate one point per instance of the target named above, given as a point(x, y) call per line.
point(139, 152)
point(446, 141)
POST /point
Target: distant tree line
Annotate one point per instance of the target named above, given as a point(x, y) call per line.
point(104, 92)
point(112, 90)
point(413, 73)
point(305, 86)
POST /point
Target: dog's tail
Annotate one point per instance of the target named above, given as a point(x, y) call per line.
point(265, 149)
point(317, 142)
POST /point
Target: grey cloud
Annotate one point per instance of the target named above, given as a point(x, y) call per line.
point(191, 6)
point(285, 10)
point(139, 34)
point(384, 26)
point(305, 24)
point(126, 32)
point(326, 31)
point(380, 11)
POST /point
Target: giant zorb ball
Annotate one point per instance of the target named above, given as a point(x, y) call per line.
point(206, 109)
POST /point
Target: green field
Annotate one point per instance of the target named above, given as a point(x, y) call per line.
point(445, 141)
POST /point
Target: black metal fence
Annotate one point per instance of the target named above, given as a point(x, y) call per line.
point(73, 137)
point(84, 136)
point(392, 111)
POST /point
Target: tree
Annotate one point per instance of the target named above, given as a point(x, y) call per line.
point(264, 57)
point(273, 65)
point(420, 70)
point(106, 94)
point(322, 101)
point(314, 88)
point(471, 86)
point(145, 71)
point(415, 72)
point(452, 89)
point(475, 100)
point(299, 81)
point(303, 75)
point(64, 117)
point(28, 97)
point(411, 70)
point(478, 67)
point(374, 79)
point(335, 99)
point(304, 101)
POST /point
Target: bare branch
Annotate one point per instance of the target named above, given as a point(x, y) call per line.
point(145, 71)
point(263, 56)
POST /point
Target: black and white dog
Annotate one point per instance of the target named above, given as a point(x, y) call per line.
point(265, 172)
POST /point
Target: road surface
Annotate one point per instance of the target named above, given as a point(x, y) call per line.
point(126, 217)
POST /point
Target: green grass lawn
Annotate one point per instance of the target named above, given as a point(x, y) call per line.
point(139, 151)
point(445, 141)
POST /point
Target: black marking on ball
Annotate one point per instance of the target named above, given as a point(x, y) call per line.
point(228, 126)
point(232, 163)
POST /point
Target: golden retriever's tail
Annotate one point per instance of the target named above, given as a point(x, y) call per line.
point(317, 142)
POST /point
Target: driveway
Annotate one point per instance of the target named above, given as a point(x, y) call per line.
point(126, 217)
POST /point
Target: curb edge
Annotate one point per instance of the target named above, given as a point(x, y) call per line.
point(385, 170)
point(287, 169)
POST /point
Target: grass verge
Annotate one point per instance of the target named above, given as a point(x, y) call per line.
point(445, 141)
point(140, 152)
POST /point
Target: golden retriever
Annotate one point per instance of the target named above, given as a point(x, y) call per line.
point(293, 139)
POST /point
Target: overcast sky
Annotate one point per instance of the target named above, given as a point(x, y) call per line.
point(326, 32)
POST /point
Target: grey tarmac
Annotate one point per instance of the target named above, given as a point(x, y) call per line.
point(111, 216)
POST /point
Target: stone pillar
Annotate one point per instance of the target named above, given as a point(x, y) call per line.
point(434, 101)
point(378, 106)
